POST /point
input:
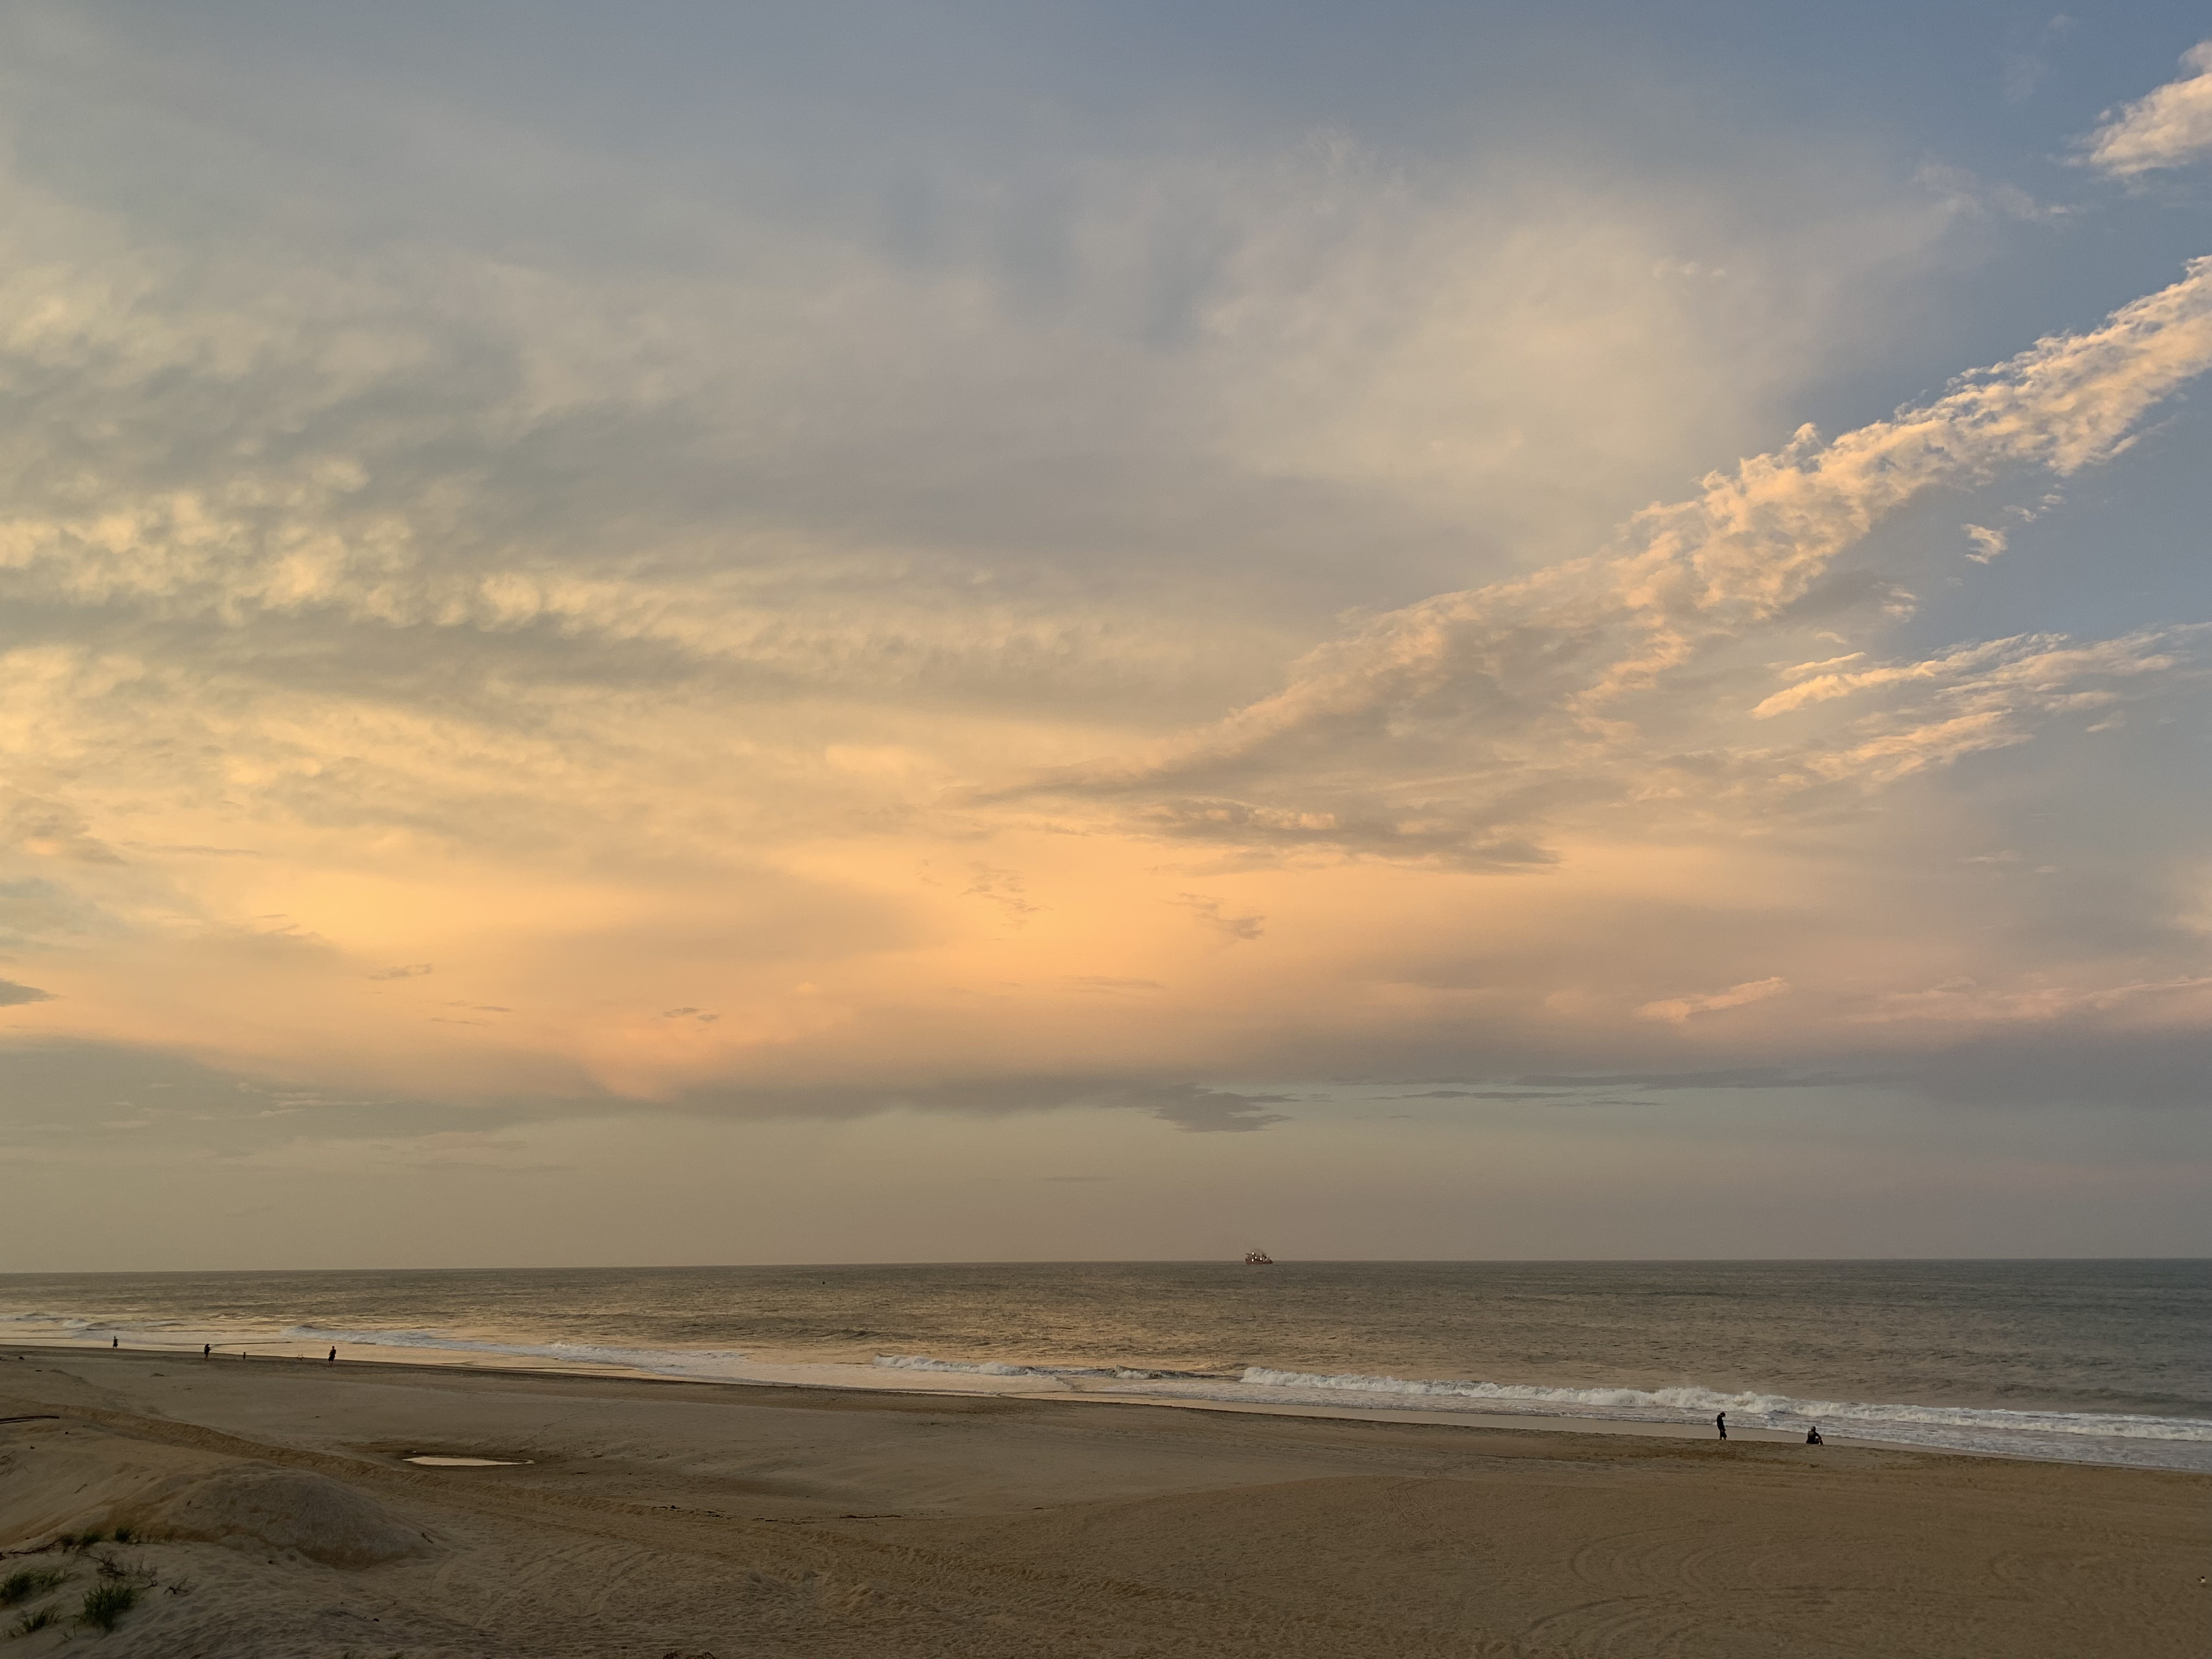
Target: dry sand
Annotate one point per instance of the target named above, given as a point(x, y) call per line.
point(274, 1515)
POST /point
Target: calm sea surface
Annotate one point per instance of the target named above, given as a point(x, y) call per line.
point(2105, 1360)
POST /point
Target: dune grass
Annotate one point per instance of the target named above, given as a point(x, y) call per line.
point(34, 1621)
point(104, 1604)
point(27, 1585)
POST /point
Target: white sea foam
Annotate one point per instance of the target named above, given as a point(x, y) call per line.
point(1691, 1403)
point(914, 1362)
point(715, 1364)
point(2072, 1436)
point(2066, 1437)
point(704, 1364)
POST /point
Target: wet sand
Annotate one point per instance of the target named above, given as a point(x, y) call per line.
point(275, 1516)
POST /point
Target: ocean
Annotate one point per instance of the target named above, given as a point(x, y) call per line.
point(2101, 1361)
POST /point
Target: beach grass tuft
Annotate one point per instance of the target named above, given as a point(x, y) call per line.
point(28, 1583)
point(34, 1621)
point(106, 1603)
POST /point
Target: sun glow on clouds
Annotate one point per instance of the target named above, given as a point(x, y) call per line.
point(795, 683)
point(589, 853)
point(575, 857)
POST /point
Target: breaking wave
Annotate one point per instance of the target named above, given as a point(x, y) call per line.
point(914, 1362)
point(702, 1363)
point(2057, 1436)
point(1691, 1403)
point(667, 1362)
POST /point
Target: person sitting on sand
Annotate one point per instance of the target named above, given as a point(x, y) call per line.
point(1813, 1437)
point(1720, 1422)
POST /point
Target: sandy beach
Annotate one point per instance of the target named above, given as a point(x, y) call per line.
point(272, 1512)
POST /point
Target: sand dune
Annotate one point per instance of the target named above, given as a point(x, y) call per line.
point(272, 1513)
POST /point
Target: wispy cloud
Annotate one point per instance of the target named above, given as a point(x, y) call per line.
point(1209, 912)
point(1463, 725)
point(2169, 127)
point(1679, 1009)
point(1988, 543)
point(1964, 1001)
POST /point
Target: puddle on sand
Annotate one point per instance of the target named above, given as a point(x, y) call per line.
point(468, 1462)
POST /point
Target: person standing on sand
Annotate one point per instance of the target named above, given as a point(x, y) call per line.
point(1720, 1422)
point(206, 1350)
point(333, 1359)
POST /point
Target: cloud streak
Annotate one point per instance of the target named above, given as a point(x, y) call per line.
point(2169, 127)
point(1680, 1009)
point(1482, 715)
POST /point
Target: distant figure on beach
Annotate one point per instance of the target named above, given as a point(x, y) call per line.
point(334, 1357)
point(1813, 1437)
point(206, 1350)
point(1720, 1422)
point(114, 1341)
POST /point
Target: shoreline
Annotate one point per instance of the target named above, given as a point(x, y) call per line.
point(971, 1386)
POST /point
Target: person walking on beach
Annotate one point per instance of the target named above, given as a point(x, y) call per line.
point(114, 1341)
point(1720, 1422)
point(206, 1350)
point(333, 1359)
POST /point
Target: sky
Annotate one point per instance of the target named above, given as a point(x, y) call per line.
point(720, 633)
